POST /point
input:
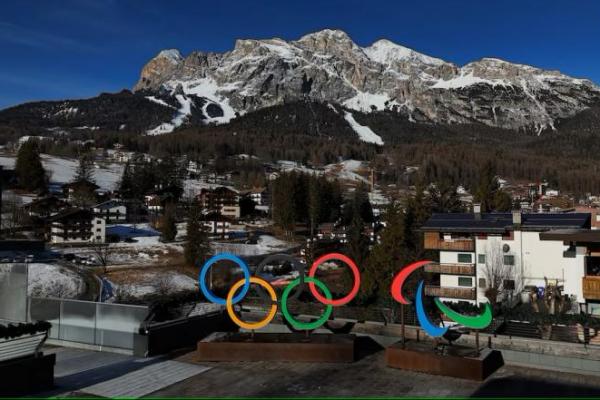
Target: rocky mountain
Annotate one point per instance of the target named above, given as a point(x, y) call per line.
point(327, 66)
point(378, 94)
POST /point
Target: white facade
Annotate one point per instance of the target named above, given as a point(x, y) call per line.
point(95, 234)
point(533, 260)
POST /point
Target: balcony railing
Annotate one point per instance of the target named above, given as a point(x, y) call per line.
point(451, 269)
point(432, 241)
point(451, 292)
point(591, 287)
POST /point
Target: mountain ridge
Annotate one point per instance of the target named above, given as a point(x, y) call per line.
point(328, 66)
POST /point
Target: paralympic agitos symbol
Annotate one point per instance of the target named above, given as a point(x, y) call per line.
point(233, 297)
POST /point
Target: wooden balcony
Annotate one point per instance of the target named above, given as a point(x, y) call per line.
point(591, 287)
point(451, 269)
point(433, 241)
point(451, 292)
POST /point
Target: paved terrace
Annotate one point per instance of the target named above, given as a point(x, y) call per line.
point(87, 373)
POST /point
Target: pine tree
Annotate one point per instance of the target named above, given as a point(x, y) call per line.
point(314, 204)
point(443, 198)
point(488, 191)
point(168, 225)
point(358, 242)
point(386, 256)
point(487, 187)
point(126, 185)
point(85, 169)
point(29, 170)
point(284, 212)
point(197, 246)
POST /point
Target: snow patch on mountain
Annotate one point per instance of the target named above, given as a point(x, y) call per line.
point(181, 116)
point(210, 90)
point(364, 132)
point(159, 101)
point(365, 102)
point(462, 81)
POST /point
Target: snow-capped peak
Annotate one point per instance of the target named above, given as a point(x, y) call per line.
point(328, 33)
point(386, 52)
point(171, 54)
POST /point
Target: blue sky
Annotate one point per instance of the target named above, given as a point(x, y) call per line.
point(79, 48)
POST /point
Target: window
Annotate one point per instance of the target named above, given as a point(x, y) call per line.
point(482, 283)
point(98, 238)
point(509, 260)
point(98, 230)
point(465, 258)
point(465, 281)
point(481, 258)
point(509, 284)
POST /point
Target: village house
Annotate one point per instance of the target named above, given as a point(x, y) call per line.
point(113, 211)
point(222, 200)
point(45, 207)
point(77, 225)
point(473, 247)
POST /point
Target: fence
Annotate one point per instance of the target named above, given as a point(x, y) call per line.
point(91, 323)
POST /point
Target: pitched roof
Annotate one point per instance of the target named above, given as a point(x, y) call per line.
point(109, 204)
point(72, 213)
point(502, 222)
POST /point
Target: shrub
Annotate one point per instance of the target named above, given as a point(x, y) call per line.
point(15, 330)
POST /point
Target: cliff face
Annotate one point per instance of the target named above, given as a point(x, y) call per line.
point(327, 66)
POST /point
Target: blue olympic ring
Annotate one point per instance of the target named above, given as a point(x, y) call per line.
point(219, 257)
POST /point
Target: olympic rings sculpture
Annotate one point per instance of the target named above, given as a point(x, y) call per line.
point(234, 297)
point(242, 286)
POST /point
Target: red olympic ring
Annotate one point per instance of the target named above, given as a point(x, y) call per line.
point(401, 276)
point(355, 272)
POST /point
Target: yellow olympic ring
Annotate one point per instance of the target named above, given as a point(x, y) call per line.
point(251, 325)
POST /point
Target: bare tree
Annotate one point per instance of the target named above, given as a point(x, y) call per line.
point(13, 215)
point(102, 253)
point(501, 277)
point(123, 294)
point(163, 284)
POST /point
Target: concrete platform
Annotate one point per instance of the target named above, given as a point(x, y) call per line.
point(456, 361)
point(293, 347)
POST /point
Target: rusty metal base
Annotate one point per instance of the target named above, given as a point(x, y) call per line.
point(296, 347)
point(458, 361)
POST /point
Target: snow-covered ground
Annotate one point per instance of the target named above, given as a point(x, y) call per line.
point(348, 170)
point(51, 280)
point(62, 170)
point(146, 283)
point(265, 245)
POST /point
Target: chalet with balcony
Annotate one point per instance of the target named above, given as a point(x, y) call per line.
point(77, 225)
point(477, 249)
point(220, 200)
point(113, 211)
point(45, 207)
point(583, 247)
